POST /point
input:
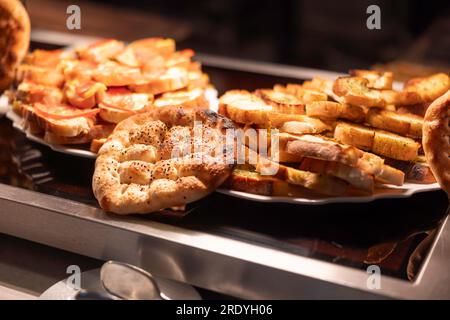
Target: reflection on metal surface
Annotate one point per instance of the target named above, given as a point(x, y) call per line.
point(93, 289)
point(129, 282)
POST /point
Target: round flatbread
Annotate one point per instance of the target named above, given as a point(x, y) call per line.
point(436, 139)
point(160, 159)
point(14, 41)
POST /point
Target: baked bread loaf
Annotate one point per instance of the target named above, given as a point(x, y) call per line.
point(158, 160)
point(436, 135)
point(14, 40)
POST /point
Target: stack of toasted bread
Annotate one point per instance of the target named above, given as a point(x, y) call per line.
point(78, 96)
point(346, 136)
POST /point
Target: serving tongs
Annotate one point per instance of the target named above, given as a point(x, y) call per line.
point(125, 282)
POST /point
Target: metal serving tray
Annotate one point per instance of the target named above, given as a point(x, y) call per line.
point(228, 245)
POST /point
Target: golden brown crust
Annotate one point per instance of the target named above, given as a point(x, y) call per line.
point(15, 38)
point(378, 141)
point(436, 133)
point(253, 182)
point(144, 165)
point(355, 90)
point(329, 110)
point(282, 102)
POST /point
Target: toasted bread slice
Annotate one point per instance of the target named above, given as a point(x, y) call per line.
point(188, 99)
point(40, 75)
point(395, 146)
point(281, 101)
point(404, 124)
point(354, 176)
point(320, 148)
point(354, 135)
point(244, 107)
point(302, 125)
point(428, 88)
point(329, 110)
point(64, 120)
point(96, 144)
point(375, 166)
point(112, 74)
point(376, 79)
point(320, 183)
point(390, 175)
point(355, 90)
point(117, 104)
point(198, 79)
point(285, 157)
point(149, 47)
point(29, 92)
point(305, 95)
point(100, 131)
point(52, 138)
point(370, 163)
point(324, 86)
point(416, 171)
point(84, 95)
point(253, 182)
point(379, 141)
point(101, 50)
point(171, 80)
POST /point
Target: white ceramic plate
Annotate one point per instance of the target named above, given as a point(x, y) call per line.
point(381, 192)
point(79, 150)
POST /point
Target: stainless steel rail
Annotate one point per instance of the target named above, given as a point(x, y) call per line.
point(217, 263)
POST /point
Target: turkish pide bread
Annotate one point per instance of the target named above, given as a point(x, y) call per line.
point(14, 40)
point(158, 160)
point(436, 139)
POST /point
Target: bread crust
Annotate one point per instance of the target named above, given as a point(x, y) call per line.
point(436, 132)
point(15, 26)
point(136, 172)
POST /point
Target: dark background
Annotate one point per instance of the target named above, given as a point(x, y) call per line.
point(314, 33)
point(325, 34)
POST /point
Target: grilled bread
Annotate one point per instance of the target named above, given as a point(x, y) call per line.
point(376, 79)
point(329, 110)
point(96, 133)
point(319, 148)
point(428, 88)
point(306, 95)
point(354, 176)
point(61, 120)
point(281, 101)
point(246, 108)
point(320, 183)
point(380, 142)
point(253, 182)
point(173, 79)
point(117, 104)
point(355, 90)
point(404, 124)
point(192, 98)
